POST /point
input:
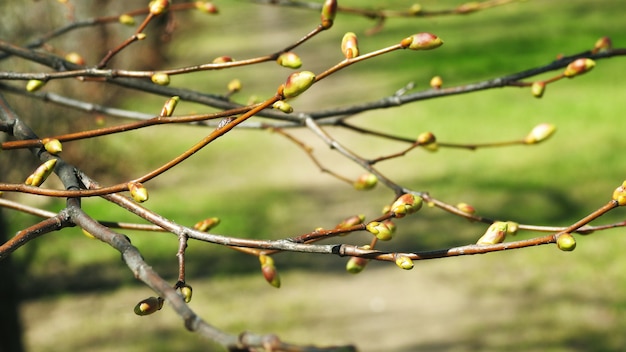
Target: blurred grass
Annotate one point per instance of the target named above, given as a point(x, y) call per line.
point(263, 187)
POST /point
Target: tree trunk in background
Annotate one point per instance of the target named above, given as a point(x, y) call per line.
point(10, 327)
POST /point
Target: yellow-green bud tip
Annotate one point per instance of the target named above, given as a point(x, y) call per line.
point(566, 242)
point(421, 41)
point(297, 83)
point(540, 133)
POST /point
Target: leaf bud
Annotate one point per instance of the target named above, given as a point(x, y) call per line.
point(186, 291)
point(365, 182)
point(126, 19)
point(222, 59)
point(511, 228)
point(603, 44)
point(380, 230)
point(206, 7)
point(566, 242)
point(350, 221)
point(34, 85)
point(149, 306)
point(161, 78)
point(75, 58)
point(234, 85)
point(421, 41)
point(283, 106)
point(269, 270)
point(466, 208)
point(578, 67)
point(407, 203)
point(289, 60)
point(540, 133)
point(41, 173)
point(206, 224)
point(436, 82)
point(538, 88)
point(138, 191)
point(297, 83)
point(329, 11)
point(496, 233)
point(356, 264)
point(140, 36)
point(619, 195)
point(52, 145)
point(169, 106)
point(428, 141)
point(158, 7)
point(404, 262)
point(391, 225)
point(349, 45)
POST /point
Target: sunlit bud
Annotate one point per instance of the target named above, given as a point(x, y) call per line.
point(222, 59)
point(269, 270)
point(365, 182)
point(34, 85)
point(88, 235)
point(234, 85)
point(404, 262)
point(511, 228)
point(566, 242)
point(602, 44)
point(407, 203)
point(329, 11)
point(140, 36)
point(428, 141)
point(538, 88)
point(289, 60)
point(161, 78)
point(356, 264)
point(169, 106)
point(496, 233)
point(390, 225)
point(297, 83)
point(158, 7)
point(619, 195)
point(540, 133)
point(41, 173)
point(206, 7)
point(350, 45)
point(421, 41)
point(149, 306)
point(138, 192)
point(380, 230)
point(283, 106)
point(415, 9)
point(52, 145)
point(578, 67)
point(75, 58)
point(187, 292)
point(351, 221)
point(436, 82)
point(466, 208)
point(126, 19)
point(206, 224)
point(468, 7)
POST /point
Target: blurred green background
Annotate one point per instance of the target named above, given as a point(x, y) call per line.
point(79, 295)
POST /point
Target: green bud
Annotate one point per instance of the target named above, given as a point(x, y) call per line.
point(603, 44)
point(269, 270)
point(161, 78)
point(356, 264)
point(428, 141)
point(578, 67)
point(75, 58)
point(436, 82)
point(350, 221)
point(406, 204)
point(365, 182)
point(329, 11)
point(126, 20)
point(149, 306)
point(289, 60)
point(421, 41)
point(41, 173)
point(538, 88)
point(380, 230)
point(496, 233)
point(540, 133)
point(415, 9)
point(466, 208)
point(283, 106)
point(52, 145)
point(511, 228)
point(404, 262)
point(186, 291)
point(297, 83)
point(234, 85)
point(619, 195)
point(34, 85)
point(206, 224)
point(138, 192)
point(169, 106)
point(222, 59)
point(349, 45)
point(158, 7)
point(566, 242)
point(142, 36)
